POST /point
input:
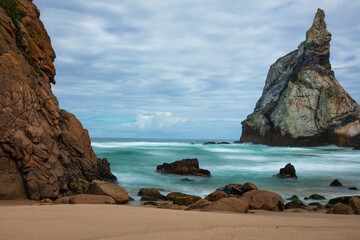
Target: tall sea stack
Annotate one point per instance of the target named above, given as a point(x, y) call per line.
point(302, 103)
point(44, 150)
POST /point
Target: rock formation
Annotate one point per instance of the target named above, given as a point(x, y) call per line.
point(183, 167)
point(302, 103)
point(44, 150)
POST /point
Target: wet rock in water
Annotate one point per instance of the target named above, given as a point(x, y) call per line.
point(186, 180)
point(151, 194)
point(199, 204)
point(232, 189)
point(209, 143)
point(186, 201)
point(91, 199)
point(293, 198)
point(287, 172)
point(119, 194)
point(315, 197)
point(232, 204)
point(345, 200)
point(302, 103)
point(336, 183)
point(149, 198)
point(315, 204)
point(183, 167)
point(352, 188)
point(214, 196)
point(151, 203)
point(171, 196)
point(262, 199)
point(224, 143)
point(294, 204)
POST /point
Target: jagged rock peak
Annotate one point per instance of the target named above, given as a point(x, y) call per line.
point(302, 103)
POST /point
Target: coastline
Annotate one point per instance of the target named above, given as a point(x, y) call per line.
point(54, 222)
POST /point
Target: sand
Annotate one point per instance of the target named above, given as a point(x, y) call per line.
point(110, 222)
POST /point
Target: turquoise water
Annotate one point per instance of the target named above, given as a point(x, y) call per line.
point(134, 161)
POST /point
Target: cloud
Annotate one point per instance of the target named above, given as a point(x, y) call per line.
point(160, 121)
point(199, 59)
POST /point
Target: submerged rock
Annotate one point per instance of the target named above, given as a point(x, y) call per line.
point(183, 167)
point(336, 183)
point(302, 103)
point(209, 143)
point(287, 172)
point(315, 197)
point(43, 149)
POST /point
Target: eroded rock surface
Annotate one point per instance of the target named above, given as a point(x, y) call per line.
point(302, 103)
point(43, 149)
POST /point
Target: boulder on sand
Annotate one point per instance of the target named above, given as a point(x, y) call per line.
point(186, 201)
point(91, 199)
point(119, 194)
point(199, 204)
point(232, 204)
point(214, 196)
point(183, 167)
point(262, 199)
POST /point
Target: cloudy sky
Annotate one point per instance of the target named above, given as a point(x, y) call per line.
point(183, 68)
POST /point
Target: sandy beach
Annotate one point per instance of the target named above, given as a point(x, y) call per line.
point(112, 222)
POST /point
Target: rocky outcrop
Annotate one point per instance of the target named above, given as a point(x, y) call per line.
point(302, 103)
point(43, 149)
point(183, 167)
point(287, 172)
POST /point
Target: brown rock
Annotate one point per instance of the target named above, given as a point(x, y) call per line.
point(341, 208)
point(186, 201)
point(294, 204)
point(91, 199)
point(169, 206)
point(79, 186)
point(261, 199)
point(119, 194)
point(232, 204)
point(248, 186)
point(354, 203)
point(199, 204)
point(49, 146)
point(63, 200)
point(183, 167)
point(11, 182)
point(212, 197)
point(152, 192)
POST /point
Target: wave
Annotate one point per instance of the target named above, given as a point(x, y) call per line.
point(138, 144)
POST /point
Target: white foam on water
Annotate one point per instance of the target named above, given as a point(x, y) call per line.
point(138, 144)
point(227, 150)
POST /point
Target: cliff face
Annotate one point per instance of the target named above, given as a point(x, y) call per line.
point(44, 150)
point(302, 103)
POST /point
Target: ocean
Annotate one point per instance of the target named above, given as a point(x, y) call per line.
point(134, 161)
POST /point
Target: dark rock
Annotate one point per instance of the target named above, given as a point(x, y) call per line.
point(183, 167)
point(315, 197)
point(293, 198)
point(212, 197)
point(294, 204)
point(357, 147)
point(209, 143)
point(151, 194)
point(354, 203)
point(171, 196)
point(344, 200)
point(302, 103)
point(352, 188)
point(336, 183)
point(46, 147)
point(186, 201)
point(315, 204)
point(237, 142)
point(232, 189)
point(151, 203)
point(287, 172)
point(223, 143)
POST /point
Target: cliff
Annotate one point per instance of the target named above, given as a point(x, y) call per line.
point(302, 103)
point(44, 150)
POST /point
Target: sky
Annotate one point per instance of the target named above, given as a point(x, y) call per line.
point(190, 69)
